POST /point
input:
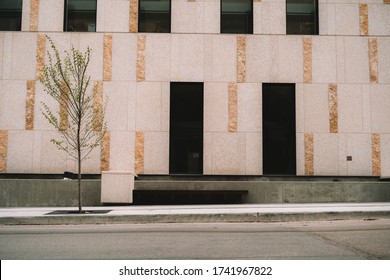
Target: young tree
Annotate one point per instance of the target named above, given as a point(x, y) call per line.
point(78, 119)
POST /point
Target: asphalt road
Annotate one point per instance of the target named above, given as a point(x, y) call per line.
point(300, 240)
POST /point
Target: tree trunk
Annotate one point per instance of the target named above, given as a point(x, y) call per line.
point(79, 180)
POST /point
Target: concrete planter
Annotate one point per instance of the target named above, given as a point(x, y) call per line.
point(117, 187)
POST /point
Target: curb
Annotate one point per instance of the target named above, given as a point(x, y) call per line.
point(193, 218)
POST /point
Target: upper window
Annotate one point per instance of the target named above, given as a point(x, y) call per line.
point(302, 17)
point(80, 15)
point(10, 15)
point(154, 16)
point(237, 16)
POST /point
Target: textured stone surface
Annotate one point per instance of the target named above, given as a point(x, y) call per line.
point(3, 150)
point(316, 108)
point(386, 1)
point(216, 104)
point(373, 59)
point(384, 59)
point(51, 15)
point(97, 105)
point(34, 15)
point(124, 57)
point(122, 150)
point(380, 108)
point(139, 152)
point(133, 16)
point(376, 154)
point(324, 64)
point(363, 16)
point(30, 104)
point(356, 59)
point(241, 59)
point(20, 151)
point(347, 19)
point(326, 154)
point(107, 60)
point(233, 114)
point(307, 60)
point(156, 157)
point(249, 107)
point(350, 106)
point(13, 105)
point(309, 154)
point(141, 46)
point(41, 52)
point(105, 152)
point(333, 108)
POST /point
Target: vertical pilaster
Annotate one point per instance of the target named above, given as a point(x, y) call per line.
point(373, 59)
point(376, 154)
point(133, 16)
point(41, 52)
point(105, 152)
point(141, 46)
point(97, 105)
point(30, 104)
point(309, 154)
point(107, 59)
point(363, 15)
point(34, 15)
point(241, 59)
point(3, 150)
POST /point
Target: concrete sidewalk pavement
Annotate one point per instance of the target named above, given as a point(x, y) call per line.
point(196, 213)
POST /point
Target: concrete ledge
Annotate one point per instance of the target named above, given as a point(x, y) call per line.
point(194, 218)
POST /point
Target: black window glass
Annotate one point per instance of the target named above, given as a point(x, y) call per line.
point(302, 17)
point(80, 15)
point(237, 16)
point(154, 16)
point(10, 15)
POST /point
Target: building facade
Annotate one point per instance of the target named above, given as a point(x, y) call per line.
point(259, 87)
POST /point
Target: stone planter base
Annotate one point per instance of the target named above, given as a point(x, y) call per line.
point(117, 187)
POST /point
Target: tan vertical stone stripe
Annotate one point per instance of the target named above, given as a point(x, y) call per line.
point(133, 16)
point(241, 59)
point(34, 13)
point(141, 46)
point(256, 1)
point(97, 105)
point(386, 1)
point(139, 152)
point(333, 108)
point(3, 150)
point(309, 154)
point(30, 104)
point(105, 152)
point(107, 60)
point(373, 59)
point(233, 107)
point(41, 51)
point(376, 154)
point(64, 99)
point(363, 14)
point(307, 60)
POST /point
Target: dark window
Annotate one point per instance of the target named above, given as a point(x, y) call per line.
point(302, 17)
point(154, 16)
point(186, 128)
point(10, 15)
point(80, 15)
point(237, 16)
point(279, 144)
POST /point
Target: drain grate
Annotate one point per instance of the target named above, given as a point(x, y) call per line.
point(76, 212)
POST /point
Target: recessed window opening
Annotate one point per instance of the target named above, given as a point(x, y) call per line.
point(302, 17)
point(237, 16)
point(279, 133)
point(186, 128)
point(10, 15)
point(154, 16)
point(80, 15)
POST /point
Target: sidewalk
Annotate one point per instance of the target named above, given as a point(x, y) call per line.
point(197, 213)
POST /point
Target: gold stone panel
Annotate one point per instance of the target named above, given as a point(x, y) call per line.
point(41, 52)
point(105, 152)
point(34, 14)
point(373, 59)
point(97, 105)
point(139, 152)
point(363, 11)
point(107, 60)
point(307, 60)
point(233, 107)
point(309, 154)
point(30, 104)
point(376, 154)
point(3, 150)
point(133, 15)
point(333, 108)
point(386, 1)
point(241, 59)
point(141, 46)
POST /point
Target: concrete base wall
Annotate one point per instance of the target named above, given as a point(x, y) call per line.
point(59, 193)
point(47, 193)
